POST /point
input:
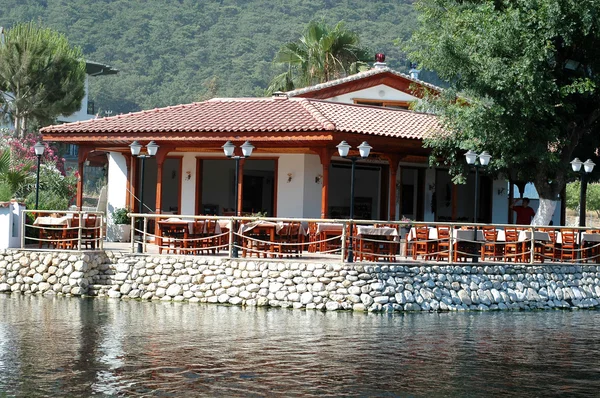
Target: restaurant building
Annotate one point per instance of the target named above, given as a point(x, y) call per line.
point(294, 170)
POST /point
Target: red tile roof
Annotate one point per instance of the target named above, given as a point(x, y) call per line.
point(275, 115)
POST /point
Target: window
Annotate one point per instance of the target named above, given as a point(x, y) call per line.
point(385, 104)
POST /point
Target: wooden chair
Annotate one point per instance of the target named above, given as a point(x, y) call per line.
point(443, 242)
point(330, 240)
point(512, 247)
point(173, 238)
point(289, 239)
point(569, 245)
point(490, 248)
point(388, 247)
point(70, 235)
point(312, 237)
point(196, 237)
point(592, 249)
point(210, 241)
point(89, 233)
point(421, 246)
point(548, 250)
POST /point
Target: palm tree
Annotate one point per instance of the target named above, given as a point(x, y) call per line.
point(321, 54)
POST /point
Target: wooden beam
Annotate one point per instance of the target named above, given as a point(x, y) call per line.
point(82, 156)
point(394, 161)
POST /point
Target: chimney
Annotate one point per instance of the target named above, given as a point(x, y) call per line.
point(414, 72)
point(379, 61)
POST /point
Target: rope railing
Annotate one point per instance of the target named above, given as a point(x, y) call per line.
point(371, 240)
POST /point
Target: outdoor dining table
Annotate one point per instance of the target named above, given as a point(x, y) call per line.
point(57, 231)
point(52, 230)
point(457, 234)
point(264, 229)
point(585, 237)
point(375, 242)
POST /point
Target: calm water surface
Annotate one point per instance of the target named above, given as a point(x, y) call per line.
point(97, 347)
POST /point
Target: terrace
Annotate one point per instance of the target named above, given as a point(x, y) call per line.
point(369, 241)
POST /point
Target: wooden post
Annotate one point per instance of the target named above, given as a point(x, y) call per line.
point(240, 198)
point(394, 161)
point(161, 155)
point(129, 184)
point(82, 156)
point(325, 157)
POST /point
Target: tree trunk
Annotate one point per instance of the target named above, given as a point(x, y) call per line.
point(545, 211)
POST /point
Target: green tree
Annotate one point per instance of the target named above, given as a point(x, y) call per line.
point(529, 73)
point(323, 53)
point(41, 76)
point(592, 197)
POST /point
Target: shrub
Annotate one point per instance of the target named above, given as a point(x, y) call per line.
point(119, 216)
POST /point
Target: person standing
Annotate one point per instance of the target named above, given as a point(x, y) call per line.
point(524, 213)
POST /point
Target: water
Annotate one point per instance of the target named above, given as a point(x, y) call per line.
point(98, 347)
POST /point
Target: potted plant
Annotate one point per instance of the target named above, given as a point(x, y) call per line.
point(122, 225)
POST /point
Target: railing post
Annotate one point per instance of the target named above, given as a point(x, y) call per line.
point(79, 230)
point(101, 234)
point(532, 254)
point(451, 244)
point(231, 242)
point(132, 234)
point(23, 227)
point(344, 240)
point(144, 234)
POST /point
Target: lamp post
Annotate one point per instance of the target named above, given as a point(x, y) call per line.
point(588, 167)
point(39, 151)
point(484, 159)
point(229, 149)
point(343, 149)
point(151, 150)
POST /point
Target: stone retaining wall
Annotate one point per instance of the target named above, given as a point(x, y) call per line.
point(326, 286)
point(49, 272)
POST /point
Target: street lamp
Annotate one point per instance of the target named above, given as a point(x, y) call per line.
point(151, 150)
point(343, 149)
point(588, 167)
point(39, 151)
point(484, 160)
point(229, 149)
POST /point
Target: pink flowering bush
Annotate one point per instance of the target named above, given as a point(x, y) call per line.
point(23, 154)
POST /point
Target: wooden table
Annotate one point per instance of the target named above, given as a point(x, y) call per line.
point(263, 236)
point(53, 230)
point(326, 232)
point(174, 233)
point(377, 242)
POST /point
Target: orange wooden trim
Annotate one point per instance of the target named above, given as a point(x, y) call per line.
point(240, 198)
point(275, 186)
point(128, 186)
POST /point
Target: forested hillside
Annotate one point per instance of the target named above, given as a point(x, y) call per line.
point(177, 51)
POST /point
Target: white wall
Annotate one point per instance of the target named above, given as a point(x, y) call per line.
point(188, 187)
point(379, 92)
point(500, 207)
point(117, 194)
point(312, 189)
point(11, 214)
point(290, 195)
point(81, 114)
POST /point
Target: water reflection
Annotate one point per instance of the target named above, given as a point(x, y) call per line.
point(96, 347)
